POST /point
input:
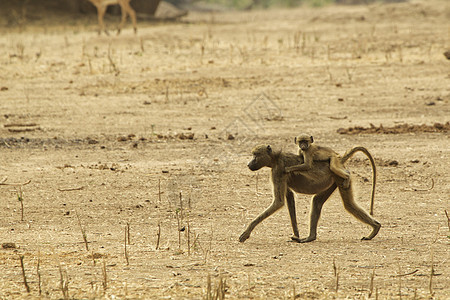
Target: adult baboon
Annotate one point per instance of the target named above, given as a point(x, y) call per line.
point(319, 181)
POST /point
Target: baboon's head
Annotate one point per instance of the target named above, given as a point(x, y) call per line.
point(304, 141)
point(262, 157)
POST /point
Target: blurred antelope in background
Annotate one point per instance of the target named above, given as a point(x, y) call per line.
point(125, 8)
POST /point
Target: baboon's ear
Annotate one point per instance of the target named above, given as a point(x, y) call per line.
point(312, 139)
point(295, 140)
point(269, 149)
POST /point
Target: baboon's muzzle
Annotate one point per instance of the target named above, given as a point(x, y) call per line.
point(252, 166)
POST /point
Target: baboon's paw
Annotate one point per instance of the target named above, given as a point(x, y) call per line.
point(376, 228)
point(304, 240)
point(295, 239)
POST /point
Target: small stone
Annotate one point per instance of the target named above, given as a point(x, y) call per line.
point(9, 246)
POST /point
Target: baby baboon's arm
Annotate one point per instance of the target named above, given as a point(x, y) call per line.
point(305, 166)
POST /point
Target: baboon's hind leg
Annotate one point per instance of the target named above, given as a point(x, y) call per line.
point(338, 168)
point(292, 214)
point(316, 208)
point(352, 207)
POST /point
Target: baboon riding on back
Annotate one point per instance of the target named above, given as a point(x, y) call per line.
point(319, 181)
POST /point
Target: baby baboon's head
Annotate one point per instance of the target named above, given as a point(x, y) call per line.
point(304, 141)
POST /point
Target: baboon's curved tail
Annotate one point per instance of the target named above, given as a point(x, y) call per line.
point(352, 152)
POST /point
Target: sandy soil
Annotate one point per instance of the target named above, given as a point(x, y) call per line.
point(114, 129)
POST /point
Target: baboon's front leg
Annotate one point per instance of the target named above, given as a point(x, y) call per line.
point(316, 208)
point(276, 205)
point(278, 202)
point(292, 214)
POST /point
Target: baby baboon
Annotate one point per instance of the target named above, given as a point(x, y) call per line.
point(311, 152)
point(319, 181)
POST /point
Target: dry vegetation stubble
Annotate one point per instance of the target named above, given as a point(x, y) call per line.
point(125, 173)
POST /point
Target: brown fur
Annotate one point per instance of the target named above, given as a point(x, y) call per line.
point(311, 152)
point(319, 181)
point(125, 8)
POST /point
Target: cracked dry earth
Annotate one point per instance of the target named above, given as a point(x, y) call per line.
point(150, 135)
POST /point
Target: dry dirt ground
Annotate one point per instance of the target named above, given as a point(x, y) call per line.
point(111, 130)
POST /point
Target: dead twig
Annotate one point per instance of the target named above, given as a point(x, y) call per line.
point(125, 244)
point(38, 272)
point(159, 236)
point(111, 62)
point(437, 235)
point(20, 125)
point(181, 210)
point(20, 198)
point(3, 182)
point(64, 282)
point(178, 228)
point(338, 118)
point(196, 243)
point(208, 251)
point(448, 220)
point(421, 189)
point(27, 287)
point(71, 189)
point(430, 285)
point(83, 232)
point(407, 274)
point(372, 277)
point(399, 282)
point(105, 278)
point(336, 275)
point(159, 190)
point(24, 129)
point(188, 238)
point(128, 234)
